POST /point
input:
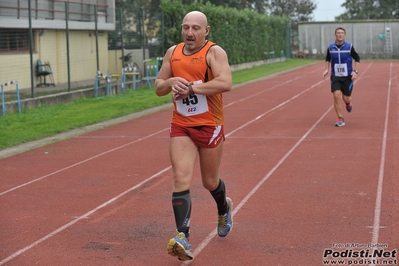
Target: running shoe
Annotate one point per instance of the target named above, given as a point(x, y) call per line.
point(180, 247)
point(349, 107)
point(340, 122)
point(225, 221)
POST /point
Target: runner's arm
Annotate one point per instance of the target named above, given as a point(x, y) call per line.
point(222, 80)
point(355, 56)
point(327, 63)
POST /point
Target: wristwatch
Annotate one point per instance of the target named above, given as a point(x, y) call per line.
point(356, 71)
point(190, 89)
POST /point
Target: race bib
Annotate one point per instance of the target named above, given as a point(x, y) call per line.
point(341, 70)
point(192, 105)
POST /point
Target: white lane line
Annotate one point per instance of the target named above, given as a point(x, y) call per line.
point(211, 235)
point(262, 91)
point(274, 87)
point(377, 209)
point(122, 146)
point(81, 162)
point(84, 216)
point(274, 108)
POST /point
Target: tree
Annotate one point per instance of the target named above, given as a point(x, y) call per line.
point(147, 12)
point(141, 20)
point(295, 10)
point(369, 9)
point(258, 5)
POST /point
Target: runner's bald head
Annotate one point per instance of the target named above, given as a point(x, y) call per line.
point(197, 16)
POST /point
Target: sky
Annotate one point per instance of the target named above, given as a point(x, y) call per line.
point(327, 10)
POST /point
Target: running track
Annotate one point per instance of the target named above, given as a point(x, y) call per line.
point(299, 184)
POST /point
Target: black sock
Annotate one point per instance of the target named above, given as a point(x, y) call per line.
point(219, 194)
point(181, 202)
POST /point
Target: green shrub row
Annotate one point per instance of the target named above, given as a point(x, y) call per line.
point(245, 35)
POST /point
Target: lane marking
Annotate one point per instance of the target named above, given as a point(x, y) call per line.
point(377, 210)
point(376, 226)
point(274, 108)
point(211, 235)
point(84, 216)
point(310, 73)
point(81, 162)
point(122, 146)
point(206, 241)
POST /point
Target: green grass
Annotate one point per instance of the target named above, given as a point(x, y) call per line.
point(266, 70)
point(45, 121)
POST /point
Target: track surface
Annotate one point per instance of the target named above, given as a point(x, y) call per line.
point(300, 186)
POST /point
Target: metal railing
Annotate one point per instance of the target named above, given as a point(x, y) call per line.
point(52, 10)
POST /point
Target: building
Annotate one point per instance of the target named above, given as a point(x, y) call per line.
point(51, 42)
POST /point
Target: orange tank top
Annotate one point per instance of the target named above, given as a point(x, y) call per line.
point(198, 110)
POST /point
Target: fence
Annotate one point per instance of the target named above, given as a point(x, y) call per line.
point(371, 39)
point(79, 38)
point(3, 106)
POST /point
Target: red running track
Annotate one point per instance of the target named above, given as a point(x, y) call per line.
point(301, 187)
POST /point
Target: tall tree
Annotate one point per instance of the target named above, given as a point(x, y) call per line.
point(369, 9)
point(295, 10)
point(258, 5)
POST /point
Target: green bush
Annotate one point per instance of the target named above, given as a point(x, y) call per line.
point(245, 35)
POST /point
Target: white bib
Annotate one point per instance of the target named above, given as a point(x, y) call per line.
point(341, 70)
point(192, 105)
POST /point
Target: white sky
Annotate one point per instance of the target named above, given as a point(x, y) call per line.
point(327, 10)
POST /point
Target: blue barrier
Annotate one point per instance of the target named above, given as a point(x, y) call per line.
point(151, 71)
point(150, 74)
point(107, 78)
point(131, 72)
point(3, 106)
point(158, 65)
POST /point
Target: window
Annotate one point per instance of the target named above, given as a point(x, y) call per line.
point(14, 40)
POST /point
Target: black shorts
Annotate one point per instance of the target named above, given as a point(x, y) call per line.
point(344, 84)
